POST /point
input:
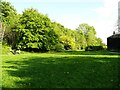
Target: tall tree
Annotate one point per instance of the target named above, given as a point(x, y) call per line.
point(9, 18)
point(80, 39)
point(35, 31)
point(89, 32)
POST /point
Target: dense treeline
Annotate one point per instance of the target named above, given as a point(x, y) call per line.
point(33, 31)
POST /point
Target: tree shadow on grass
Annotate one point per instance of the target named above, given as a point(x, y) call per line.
point(104, 52)
point(65, 72)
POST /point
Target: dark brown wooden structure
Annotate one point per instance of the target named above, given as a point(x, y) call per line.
point(113, 42)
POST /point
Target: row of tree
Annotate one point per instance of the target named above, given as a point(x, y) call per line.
point(33, 31)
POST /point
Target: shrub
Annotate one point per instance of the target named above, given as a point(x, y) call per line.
point(5, 49)
point(93, 48)
point(59, 47)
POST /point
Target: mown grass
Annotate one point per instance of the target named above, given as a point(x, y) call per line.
point(70, 69)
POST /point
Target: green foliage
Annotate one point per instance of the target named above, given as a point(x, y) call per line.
point(80, 39)
point(105, 47)
point(65, 36)
point(59, 47)
point(7, 12)
point(9, 18)
point(68, 42)
point(90, 35)
point(5, 49)
point(35, 31)
point(94, 48)
point(99, 42)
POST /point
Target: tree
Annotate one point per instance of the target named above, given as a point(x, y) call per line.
point(68, 42)
point(89, 33)
point(35, 31)
point(7, 12)
point(9, 19)
point(65, 38)
point(80, 39)
point(99, 42)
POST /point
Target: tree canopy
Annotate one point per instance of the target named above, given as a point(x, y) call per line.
point(34, 31)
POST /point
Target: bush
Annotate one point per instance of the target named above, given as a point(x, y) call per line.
point(59, 47)
point(94, 48)
point(5, 49)
point(105, 47)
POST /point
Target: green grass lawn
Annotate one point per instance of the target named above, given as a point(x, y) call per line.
point(70, 69)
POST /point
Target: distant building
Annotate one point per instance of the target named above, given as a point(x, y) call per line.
point(113, 42)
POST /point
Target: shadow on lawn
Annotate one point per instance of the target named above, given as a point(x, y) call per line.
point(104, 52)
point(66, 72)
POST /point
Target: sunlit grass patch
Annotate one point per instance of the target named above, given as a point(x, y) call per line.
point(64, 69)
